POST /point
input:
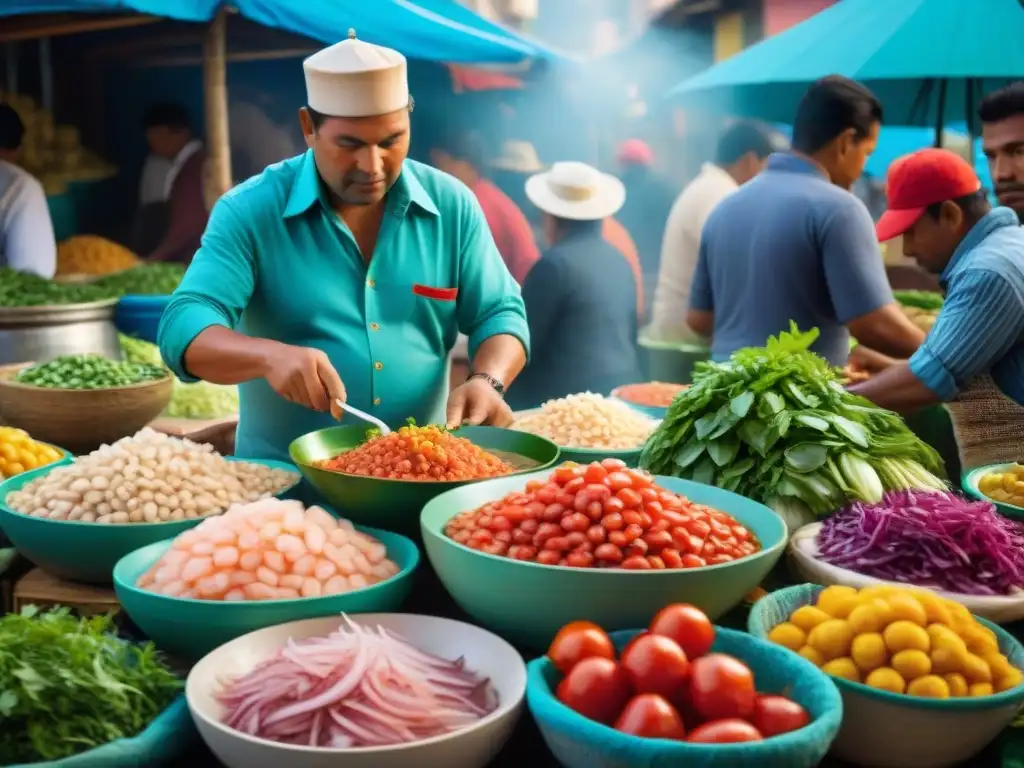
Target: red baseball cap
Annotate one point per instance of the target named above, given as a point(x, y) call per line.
point(920, 179)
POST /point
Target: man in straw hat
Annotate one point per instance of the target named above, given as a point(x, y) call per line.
point(581, 297)
point(345, 274)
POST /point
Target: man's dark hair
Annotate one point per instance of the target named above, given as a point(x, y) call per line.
point(12, 130)
point(166, 115)
point(1002, 104)
point(832, 105)
point(742, 138)
point(974, 206)
point(462, 144)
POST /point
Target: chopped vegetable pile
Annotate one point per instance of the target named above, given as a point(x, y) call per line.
point(586, 420)
point(603, 516)
point(68, 685)
point(89, 372)
point(1006, 486)
point(428, 453)
point(929, 540)
point(23, 289)
point(20, 453)
point(358, 687)
point(776, 424)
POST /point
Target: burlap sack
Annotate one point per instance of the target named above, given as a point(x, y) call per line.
point(988, 426)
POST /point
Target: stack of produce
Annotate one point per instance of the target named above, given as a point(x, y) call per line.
point(775, 424)
point(147, 478)
point(92, 255)
point(652, 394)
point(358, 687)
point(899, 640)
point(20, 453)
point(667, 684)
point(269, 550)
point(156, 279)
point(69, 685)
point(22, 289)
point(1005, 486)
point(89, 372)
point(603, 516)
point(189, 400)
point(428, 453)
point(588, 421)
point(928, 539)
point(920, 307)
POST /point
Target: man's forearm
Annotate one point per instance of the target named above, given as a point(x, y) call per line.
point(222, 356)
point(897, 389)
point(501, 356)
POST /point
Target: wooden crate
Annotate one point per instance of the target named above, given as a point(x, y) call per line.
point(40, 588)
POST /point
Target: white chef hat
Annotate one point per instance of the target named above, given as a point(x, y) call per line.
point(356, 79)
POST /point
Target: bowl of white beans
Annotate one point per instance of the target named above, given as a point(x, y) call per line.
point(77, 520)
point(587, 427)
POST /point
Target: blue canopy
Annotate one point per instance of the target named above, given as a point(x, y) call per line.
point(437, 30)
point(914, 54)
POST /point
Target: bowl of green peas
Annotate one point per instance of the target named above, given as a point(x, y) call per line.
point(83, 401)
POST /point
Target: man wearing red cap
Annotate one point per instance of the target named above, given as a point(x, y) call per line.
point(973, 359)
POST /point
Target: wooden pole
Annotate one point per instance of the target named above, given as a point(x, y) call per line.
point(215, 93)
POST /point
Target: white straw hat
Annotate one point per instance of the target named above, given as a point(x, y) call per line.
point(576, 191)
point(356, 79)
point(519, 156)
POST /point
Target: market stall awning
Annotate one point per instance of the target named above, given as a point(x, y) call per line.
point(920, 57)
point(437, 30)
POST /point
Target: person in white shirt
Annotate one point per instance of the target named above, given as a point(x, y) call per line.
point(740, 155)
point(27, 241)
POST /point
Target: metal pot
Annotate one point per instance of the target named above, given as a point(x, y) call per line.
point(43, 333)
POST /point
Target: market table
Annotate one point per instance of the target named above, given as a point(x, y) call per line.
point(527, 748)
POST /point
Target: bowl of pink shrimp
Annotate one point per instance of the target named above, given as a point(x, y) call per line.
point(382, 690)
point(257, 565)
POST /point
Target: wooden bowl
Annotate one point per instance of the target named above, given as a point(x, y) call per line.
point(80, 420)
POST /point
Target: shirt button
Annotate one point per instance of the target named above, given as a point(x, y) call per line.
point(374, 327)
point(371, 282)
point(379, 366)
point(376, 401)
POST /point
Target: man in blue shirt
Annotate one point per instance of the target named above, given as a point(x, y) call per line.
point(937, 203)
point(347, 273)
point(795, 244)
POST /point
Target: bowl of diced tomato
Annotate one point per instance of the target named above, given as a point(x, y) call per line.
point(681, 692)
point(525, 555)
point(649, 397)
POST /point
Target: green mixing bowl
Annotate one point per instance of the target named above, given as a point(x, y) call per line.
point(972, 478)
point(587, 455)
point(527, 603)
point(396, 504)
point(87, 552)
point(189, 629)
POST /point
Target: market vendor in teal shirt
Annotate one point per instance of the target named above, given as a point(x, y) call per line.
point(347, 273)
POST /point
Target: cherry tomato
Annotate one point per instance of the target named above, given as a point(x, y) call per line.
point(597, 688)
point(721, 687)
point(724, 732)
point(652, 717)
point(577, 641)
point(655, 664)
point(777, 714)
point(687, 625)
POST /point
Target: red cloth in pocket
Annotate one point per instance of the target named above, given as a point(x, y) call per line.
point(438, 294)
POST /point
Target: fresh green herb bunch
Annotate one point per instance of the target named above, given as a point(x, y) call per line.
point(927, 300)
point(89, 372)
point(777, 425)
point(23, 289)
point(147, 279)
point(68, 685)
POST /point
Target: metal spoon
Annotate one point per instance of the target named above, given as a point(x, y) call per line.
point(384, 428)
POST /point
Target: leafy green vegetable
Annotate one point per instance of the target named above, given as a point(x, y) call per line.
point(927, 300)
point(775, 423)
point(68, 685)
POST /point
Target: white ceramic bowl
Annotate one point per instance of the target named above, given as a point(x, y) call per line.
point(472, 747)
point(803, 550)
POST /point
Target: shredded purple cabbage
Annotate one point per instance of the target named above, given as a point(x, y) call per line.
point(929, 539)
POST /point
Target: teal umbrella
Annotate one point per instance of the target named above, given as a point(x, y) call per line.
point(928, 61)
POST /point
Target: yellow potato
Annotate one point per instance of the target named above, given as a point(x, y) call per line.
point(886, 679)
point(832, 638)
point(842, 667)
point(870, 616)
point(868, 651)
point(976, 669)
point(837, 601)
point(905, 635)
point(807, 617)
point(789, 636)
point(980, 689)
point(1011, 679)
point(906, 607)
point(957, 684)
point(812, 655)
point(929, 686)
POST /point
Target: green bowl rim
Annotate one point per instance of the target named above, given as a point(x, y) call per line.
point(443, 484)
point(9, 381)
point(272, 463)
point(969, 483)
point(780, 544)
point(606, 453)
point(404, 573)
point(961, 703)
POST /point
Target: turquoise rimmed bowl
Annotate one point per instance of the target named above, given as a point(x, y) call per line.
point(971, 482)
point(888, 729)
point(88, 552)
point(578, 742)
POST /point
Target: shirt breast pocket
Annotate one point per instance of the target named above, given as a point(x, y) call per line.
point(424, 310)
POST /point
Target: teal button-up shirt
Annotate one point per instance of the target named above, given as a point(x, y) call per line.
point(277, 262)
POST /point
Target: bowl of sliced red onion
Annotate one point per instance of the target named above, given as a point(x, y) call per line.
point(374, 690)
